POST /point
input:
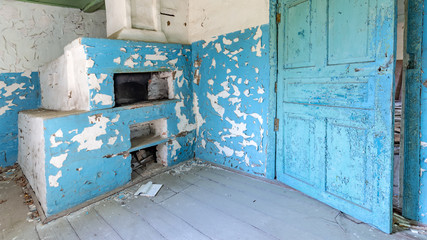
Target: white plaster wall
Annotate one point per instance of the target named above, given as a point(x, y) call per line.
point(169, 22)
point(31, 156)
point(176, 27)
point(212, 18)
point(64, 81)
point(33, 34)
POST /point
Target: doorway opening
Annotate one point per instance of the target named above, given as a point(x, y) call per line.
point(398, 126)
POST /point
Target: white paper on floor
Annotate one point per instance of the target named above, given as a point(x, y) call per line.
point(148, 190)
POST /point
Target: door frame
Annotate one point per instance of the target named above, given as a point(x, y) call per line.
point(412, 107)
point(272, 108)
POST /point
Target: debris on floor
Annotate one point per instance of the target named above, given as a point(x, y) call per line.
point(142, 158)
point(148, 190)
point(401, 223)
point(14, 173)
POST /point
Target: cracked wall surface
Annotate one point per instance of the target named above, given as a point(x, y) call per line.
point(231, 86)
point(18, 92)
point(84, 154)
point(31, 36)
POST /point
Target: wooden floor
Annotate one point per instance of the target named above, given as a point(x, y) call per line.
point(199, 201)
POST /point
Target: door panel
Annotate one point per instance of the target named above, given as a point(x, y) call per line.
point(335, 91)
point(357, 20)
point(298, 35)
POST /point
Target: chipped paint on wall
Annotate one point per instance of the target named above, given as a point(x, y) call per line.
point(18, 92)
point(90, 149)
point(234, 81)
point(33, 35)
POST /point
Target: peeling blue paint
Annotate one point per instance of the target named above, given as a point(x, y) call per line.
point(18, 91)
point(415, 153)
point(86, 154)
point(232, 86)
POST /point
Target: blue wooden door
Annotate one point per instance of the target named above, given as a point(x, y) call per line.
point(335, 103)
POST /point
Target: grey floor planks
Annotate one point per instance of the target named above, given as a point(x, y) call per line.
point(247, 214)
point(169, 225)
point(201, 202)
point(295, 201)
point(59, 229)
point(209, 220)
point(125, 223)
point(89, 225)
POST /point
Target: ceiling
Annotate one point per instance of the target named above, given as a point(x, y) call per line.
point(84, 5)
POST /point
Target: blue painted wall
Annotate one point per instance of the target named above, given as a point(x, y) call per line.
point(88, 169)
point(86, 154)
point(232, 90)
point(18, 91)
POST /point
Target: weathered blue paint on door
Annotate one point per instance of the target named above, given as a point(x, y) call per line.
point(335, 88)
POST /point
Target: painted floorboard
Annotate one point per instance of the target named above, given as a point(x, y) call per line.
point(169, 225)
point(296, 209)
point(206, 204)
point(89, 225)
point(260, 220)
point(293, 199)
point(209, 220)
point(279, 220)
point(125, 223)
point(57, 230)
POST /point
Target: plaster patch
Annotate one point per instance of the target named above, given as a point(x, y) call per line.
point(218, 47)
point(112, 140)
point(53, 142)
point(244, 115)
point(236, 90)
point(234, 100)
point(196, 109)
point(183, 124)
point(88, 138)
point(6, 108)
point(178, 75)
point(246, 143)
point(175, 147)
point(59, 160)
point(236, 130)
point(209, 40)
point(226, 150)
point(237, 51)
point(258, 33)
point(227, 41)
point(173, 62)
point(156, 57)
point(117, 60)
point(116, 119)
point(104, 99)
point(95, 83)
point(240, 153)
point(11, 88)
point(423, 144)
point(26, 74)
point(148, 64)
point(214, 103)
point(258, 49)
point(130, 63)
point(90, 63)
point(53, 179)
